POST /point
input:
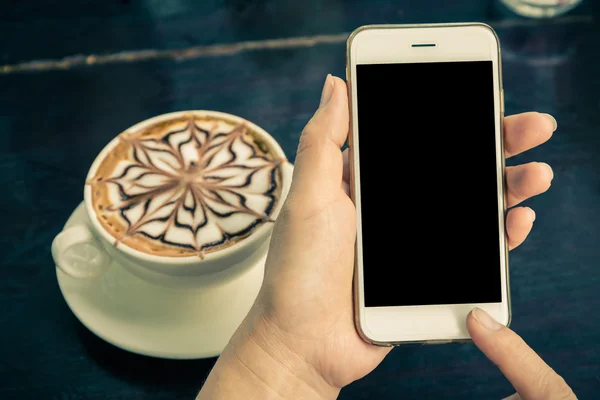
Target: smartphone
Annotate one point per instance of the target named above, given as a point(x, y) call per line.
point(427, 179)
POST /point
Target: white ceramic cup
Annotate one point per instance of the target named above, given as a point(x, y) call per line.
point(88, 250)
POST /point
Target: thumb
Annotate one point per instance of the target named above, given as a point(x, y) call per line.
point(532, 378)
point(319, 163)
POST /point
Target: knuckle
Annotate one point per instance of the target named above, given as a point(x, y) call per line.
point(296, 211)
point(552, 385)
point(311, 127)
point(523, 353)
point(558, 387)
point(514, 345)
point(310, 138)
point(544, 378)
point(305, 143)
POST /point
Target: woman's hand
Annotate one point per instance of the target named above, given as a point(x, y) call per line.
point(302, 321)
point(529, 374)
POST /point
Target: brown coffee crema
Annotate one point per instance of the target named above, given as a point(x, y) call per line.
point(186, 186)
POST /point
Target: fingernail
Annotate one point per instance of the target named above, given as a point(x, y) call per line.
point(327, 90)
point(548, 170)
point(486, 320)
point(532, 215)
point(554, 123)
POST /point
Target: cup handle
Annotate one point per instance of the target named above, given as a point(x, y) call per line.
point(77, 253)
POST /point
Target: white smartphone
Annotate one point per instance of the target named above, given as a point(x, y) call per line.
point(427, 179)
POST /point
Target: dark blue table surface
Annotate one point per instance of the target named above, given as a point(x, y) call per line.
point(58, 107)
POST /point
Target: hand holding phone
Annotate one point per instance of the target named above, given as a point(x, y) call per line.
point(300, 335)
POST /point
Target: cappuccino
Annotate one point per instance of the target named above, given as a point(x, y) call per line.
point(186, 186)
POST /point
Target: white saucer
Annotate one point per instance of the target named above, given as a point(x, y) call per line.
point(158, 321)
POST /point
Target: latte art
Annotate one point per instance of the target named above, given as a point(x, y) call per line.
point(186, 187)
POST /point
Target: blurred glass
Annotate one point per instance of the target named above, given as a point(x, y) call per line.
point(541, 8)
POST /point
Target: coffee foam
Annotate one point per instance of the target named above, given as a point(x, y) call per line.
point(187, 186)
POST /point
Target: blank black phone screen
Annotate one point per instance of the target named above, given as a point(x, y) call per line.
point(428, 183)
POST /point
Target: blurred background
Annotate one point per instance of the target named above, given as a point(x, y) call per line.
point(73, 74)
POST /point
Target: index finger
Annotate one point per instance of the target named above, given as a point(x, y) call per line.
point(532, 378)
point(526, 131)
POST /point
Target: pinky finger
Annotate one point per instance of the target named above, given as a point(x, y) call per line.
point(519, 222)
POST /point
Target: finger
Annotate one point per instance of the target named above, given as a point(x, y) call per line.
point(513, 397)
point(519, 222)
point(346, 174)
point(526, 131)
point(527, 180)
point(346, 188)
point(319, 165)
point(527, 372)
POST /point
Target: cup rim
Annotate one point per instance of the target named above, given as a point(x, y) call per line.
point(258, 234)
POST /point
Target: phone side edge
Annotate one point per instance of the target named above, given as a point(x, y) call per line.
point(353, 189)
point(502, 178)
point(504, 183)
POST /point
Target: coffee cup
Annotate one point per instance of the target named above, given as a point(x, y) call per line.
point(184, 199)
